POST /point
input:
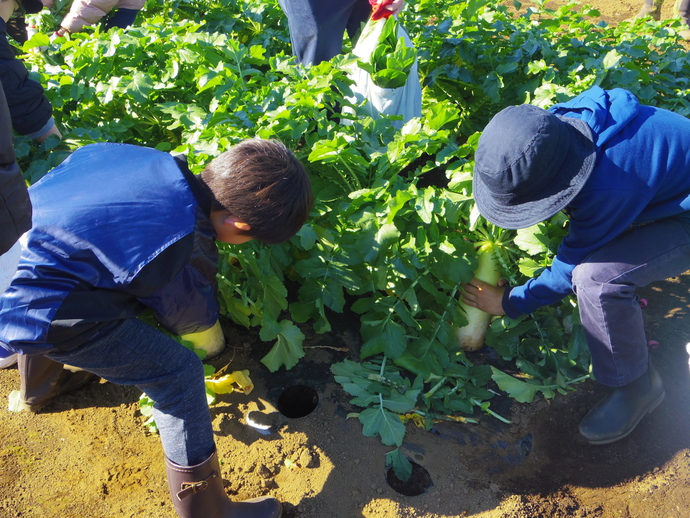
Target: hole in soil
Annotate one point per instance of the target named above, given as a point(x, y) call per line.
point(298, 401)
point(419, 481)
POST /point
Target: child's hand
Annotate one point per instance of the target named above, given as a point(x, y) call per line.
point(484, 296)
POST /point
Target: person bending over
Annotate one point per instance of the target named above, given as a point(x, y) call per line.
point(118, 229)
point(619, 170)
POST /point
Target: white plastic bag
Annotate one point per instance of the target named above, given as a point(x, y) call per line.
point(405, 101)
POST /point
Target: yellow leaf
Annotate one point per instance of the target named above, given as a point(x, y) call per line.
point(225, 384)
point(417, 419)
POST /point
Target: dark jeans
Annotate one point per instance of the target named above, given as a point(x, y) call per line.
point(135, 353)
point(121, 18)
point(605, 285)
point(317, 27)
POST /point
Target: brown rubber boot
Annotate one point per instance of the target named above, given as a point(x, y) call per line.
point(43, 379)
point(197, 492)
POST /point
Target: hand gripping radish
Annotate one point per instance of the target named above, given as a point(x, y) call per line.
point(485, 290)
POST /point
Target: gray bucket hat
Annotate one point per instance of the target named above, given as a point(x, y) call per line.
point(530, 164)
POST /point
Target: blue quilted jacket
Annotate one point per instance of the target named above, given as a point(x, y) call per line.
point(116, 229)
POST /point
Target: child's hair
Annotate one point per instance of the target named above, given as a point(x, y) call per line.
point(263, 184)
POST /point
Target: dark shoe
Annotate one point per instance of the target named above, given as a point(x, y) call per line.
point(615, 416)
point(43, 379)
point(197, 492)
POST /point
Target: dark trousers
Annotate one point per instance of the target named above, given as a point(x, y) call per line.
point(317, 27)
point(605, 285)
point(121, 18)
point(134, 353)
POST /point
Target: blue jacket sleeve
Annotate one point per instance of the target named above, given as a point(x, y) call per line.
point(601, 217)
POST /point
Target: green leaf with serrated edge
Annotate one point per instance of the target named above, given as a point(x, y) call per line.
point(519, 390)
point(287, 350)
point(270, 327)
point(139, 87)
point(307, 236)
point(388, 337)
point(529, 267)
point(401, 466)
point(385, 424)
point(424, 367)
point(531, 240)
point(400, 403)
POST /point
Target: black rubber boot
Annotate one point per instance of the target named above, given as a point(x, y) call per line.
point(197, 492)
point(43, 379)
point(615, 416)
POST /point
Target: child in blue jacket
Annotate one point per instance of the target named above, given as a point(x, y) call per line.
point(118, 229)
point(621, 172)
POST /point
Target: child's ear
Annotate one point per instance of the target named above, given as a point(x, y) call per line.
point(237, 223)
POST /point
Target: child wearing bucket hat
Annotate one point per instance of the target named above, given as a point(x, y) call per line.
point(621, 172)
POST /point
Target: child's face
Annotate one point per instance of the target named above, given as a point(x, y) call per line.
point(229, 229)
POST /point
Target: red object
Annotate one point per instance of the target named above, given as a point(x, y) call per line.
point(379, 9)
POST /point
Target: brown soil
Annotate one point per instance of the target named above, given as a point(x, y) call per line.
point(88, 455)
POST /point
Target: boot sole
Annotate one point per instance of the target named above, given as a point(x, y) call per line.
point(652, 407)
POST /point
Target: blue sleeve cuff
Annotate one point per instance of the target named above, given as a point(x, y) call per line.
point(508, 306)
point(45, 129)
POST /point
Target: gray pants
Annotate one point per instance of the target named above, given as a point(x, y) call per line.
point(605, 285)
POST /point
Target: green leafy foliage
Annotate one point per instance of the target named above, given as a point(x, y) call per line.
point(390, 63)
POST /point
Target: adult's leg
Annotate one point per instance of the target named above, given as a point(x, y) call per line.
point(8, 265)
point(605, 285)
point(121, 18)
point(682, 9)
point(650, 8)
point(317, 26)
point(42, 380)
